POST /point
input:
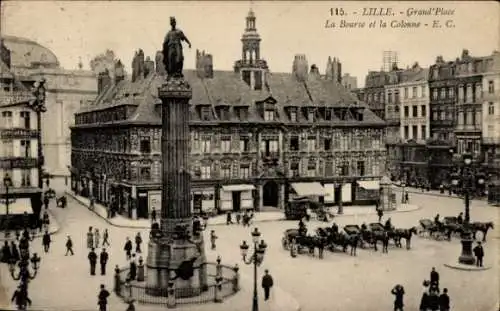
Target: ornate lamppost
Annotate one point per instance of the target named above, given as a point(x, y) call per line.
point(38, 105)
point(24, 274)
point(256, 259)
point(7, 182)
point(467, 178)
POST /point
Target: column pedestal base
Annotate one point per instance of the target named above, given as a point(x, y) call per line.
point(165, 257)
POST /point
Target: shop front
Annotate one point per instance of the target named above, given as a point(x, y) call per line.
point(366, 192)
point(203, 201)
point(236, 197)
point(24, 208)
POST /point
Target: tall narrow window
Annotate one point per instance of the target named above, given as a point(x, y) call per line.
point(414, 92)
point(491, 108)
point(206, 172)
point(25, 177)
point(205, 144)
point(244, 144)
point(269, 115)
point(244, 171)
point(491, 87)
point(26, 148)
point(293, 116)
point(6, 119)
point(145, 145)
point(360, 166)
point(423, 132)
point(25, 120)
point(414, 133)
point(423, 111)
point(226, 144)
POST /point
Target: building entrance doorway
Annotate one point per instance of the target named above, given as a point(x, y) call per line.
point(270, 194)
point(236, 201)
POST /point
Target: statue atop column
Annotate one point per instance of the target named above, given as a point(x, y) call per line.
point(173, 59)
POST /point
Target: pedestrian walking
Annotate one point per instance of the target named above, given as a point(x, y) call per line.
point(92, 257)
point(434, 278)
point(380, 214)
point(133, 268)
point(398, 291)
point(46, 201)
point(238, 218)
point(92, 203)
point(103, 260)
point(229, 219)
point(105, 238)
point(90, 238)
point(444, 301)
point(267, 283)
point(69, 246)
point(102, 298)
point(479, 253)
point(424, 302)
point(138, 242)
point(45, 219)
point(153, 215)
point(46, 241)
point(407, 197)
point(213, 237)
point(6, 255)
point(97, 237)
point(196, 226)
point(128, 248)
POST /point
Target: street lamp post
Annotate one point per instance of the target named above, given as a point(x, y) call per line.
point(24, 274)
point(7, 182)
point(256, 259)
point(467, 179)
point(38, 105)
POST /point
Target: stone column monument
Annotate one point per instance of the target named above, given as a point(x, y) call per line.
point(175, 253)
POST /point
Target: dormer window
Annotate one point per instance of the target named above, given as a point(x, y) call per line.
point(269, 115)
point(310, 115)
point(293, 116)
point(243, 113)
point(328, 115)
point(205, 113)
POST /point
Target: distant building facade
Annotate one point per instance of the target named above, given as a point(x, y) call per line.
point(349, 82)
point(257, 138)
point(66, 90)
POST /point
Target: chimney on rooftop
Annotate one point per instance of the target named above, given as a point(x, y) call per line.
point(300, 67)
point(103, 81)
point(204, 65)
point(119, 72)
point(149, 66)
point(465, 53)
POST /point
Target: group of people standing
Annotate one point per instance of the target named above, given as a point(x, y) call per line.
point(245, 218)
point(432, 299)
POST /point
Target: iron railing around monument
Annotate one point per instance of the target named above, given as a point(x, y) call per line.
point(140, 292)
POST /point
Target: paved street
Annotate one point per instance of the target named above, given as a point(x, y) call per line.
point(338, 282)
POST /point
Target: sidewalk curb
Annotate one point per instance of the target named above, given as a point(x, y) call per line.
point(465, 268)
point(417, 207)
point(54, 230)
point(444, 195)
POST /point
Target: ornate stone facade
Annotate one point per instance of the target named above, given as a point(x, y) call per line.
point(251, 137)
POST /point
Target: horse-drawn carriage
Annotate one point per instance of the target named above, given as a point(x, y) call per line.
point(431, 229)
point(352, 229)
point(376, 226)
point(288, 236)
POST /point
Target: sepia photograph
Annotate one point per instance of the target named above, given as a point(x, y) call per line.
point(249, 155)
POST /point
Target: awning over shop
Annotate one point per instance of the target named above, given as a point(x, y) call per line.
point(369, 184)
point(229, 188)
point(16, 206)
point(308, 188)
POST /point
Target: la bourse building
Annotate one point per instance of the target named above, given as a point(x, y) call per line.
point(257, 138)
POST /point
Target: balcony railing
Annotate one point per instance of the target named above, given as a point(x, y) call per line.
point(17, 162)
point(468, 128)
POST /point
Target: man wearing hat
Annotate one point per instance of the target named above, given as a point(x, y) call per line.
point(267, 283)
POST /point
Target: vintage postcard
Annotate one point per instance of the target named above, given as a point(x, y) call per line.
point(249, 155)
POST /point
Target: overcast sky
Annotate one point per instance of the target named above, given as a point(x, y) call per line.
point(85, 29)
